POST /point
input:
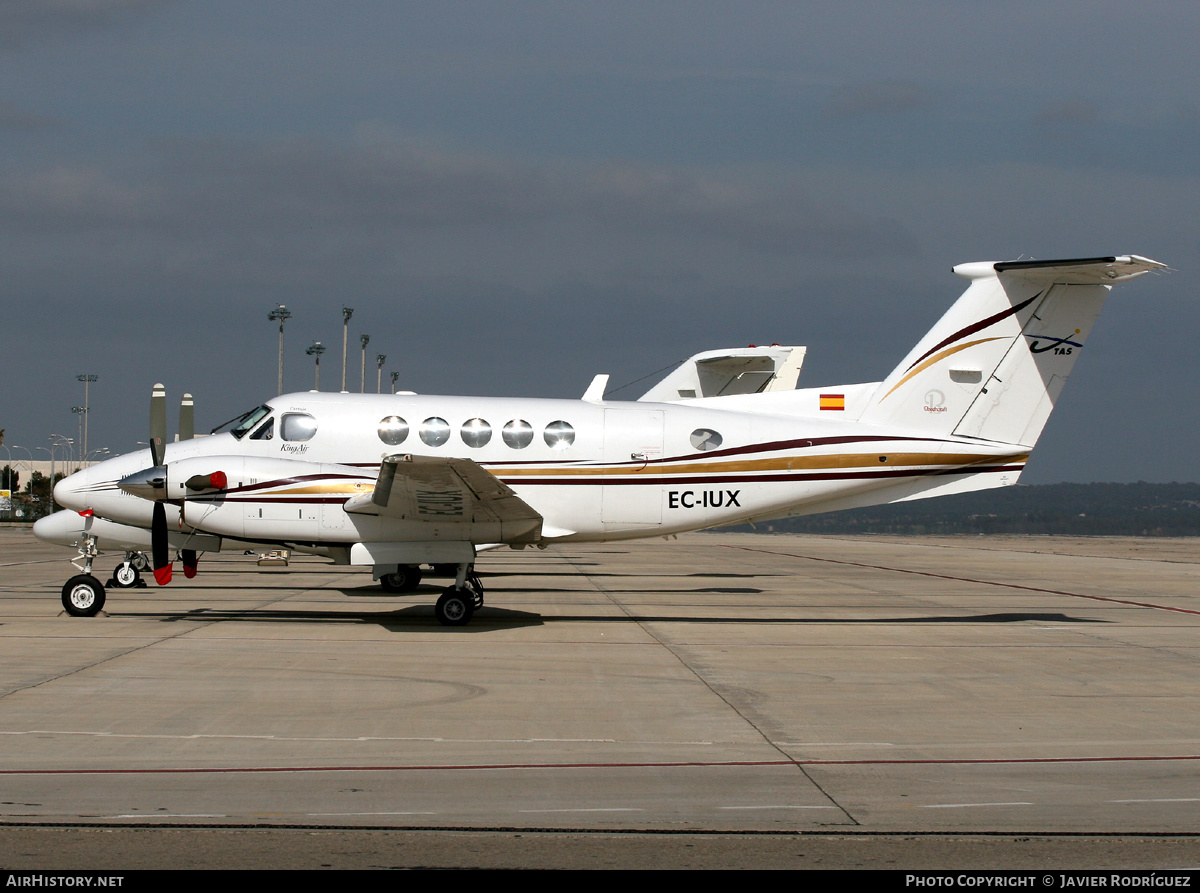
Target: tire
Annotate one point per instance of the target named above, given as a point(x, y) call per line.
point(83, 596)
point(405, 578)
point(455, 607)
point(126, 576)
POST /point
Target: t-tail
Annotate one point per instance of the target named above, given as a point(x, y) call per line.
point(993, 366)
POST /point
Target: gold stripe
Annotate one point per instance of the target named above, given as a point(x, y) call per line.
point(781, 463)
point(361, 487)
point(949, 351)
point(941, 461)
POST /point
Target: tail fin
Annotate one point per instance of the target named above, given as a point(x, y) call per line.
point(993, 366)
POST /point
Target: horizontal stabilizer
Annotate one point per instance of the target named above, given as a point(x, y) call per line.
point(729, 372)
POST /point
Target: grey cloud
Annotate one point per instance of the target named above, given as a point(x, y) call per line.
point(290, 186)
point(1067, 113)
point(875, 98)
point(22, 21)
point(16, 117)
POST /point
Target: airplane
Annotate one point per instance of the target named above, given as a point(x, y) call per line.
point(401, 481)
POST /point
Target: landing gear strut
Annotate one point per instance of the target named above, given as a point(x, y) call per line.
point(83, 594)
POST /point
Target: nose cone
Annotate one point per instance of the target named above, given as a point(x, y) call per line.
point(149, 483)
point(72, 491)
point(64, 528)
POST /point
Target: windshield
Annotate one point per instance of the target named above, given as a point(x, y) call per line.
point(244, 422)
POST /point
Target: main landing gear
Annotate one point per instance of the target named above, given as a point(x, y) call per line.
point(457, 603)
point(405, 578)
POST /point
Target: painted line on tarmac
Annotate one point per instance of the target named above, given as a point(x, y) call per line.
point(904, 570)
point(682, 764)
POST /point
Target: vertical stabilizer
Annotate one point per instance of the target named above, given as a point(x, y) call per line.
point(995, 363)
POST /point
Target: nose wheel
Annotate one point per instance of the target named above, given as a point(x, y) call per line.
point(83, 596)
point(126, 576)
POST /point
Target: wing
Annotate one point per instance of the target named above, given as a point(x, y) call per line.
point(447, 491)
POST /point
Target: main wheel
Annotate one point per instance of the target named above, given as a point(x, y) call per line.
point(405, 578)
point(455, 607)
point(83, 596)
point(126, 576)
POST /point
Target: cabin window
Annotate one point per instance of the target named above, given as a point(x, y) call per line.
point(559, 435)
point(518, 434)
point(265, 432)
point(435, 431)
point(705, 439)
point(393, 430)
point(476, 433)
point(297, 426)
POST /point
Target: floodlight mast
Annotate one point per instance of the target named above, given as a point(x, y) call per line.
point(347, 312)
point(280, 313)
point(87, 378)
point(315, 350)
point(362, 386)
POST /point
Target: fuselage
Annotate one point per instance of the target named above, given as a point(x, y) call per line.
point(592, 470)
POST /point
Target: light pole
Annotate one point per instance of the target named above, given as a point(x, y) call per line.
point(362, 387)
point(347, 312)
point(81, 411)
point(280, 313)
point(49, 450)
point(379, 358)
point(315, 350)
point(87, 379)
point(29, 466)
point(395, 375)
point(68, 444)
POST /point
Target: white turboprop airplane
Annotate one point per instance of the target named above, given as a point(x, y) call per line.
point(398, 481)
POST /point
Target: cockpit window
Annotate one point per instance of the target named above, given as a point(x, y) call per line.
point(297, 426)
point(246, 422)
point(266, 432)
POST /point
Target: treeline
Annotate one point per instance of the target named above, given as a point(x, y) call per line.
point(1139, 509)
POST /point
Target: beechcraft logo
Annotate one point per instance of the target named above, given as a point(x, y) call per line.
point(935, 401)
point(1062, 347)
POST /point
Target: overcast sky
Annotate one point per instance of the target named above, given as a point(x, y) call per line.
point(515, 196)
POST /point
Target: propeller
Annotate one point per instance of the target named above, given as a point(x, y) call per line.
point(151, 483)
point(187, 419)
point(159, 547)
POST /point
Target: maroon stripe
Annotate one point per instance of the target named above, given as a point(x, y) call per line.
point(758, 478)
point(972, 329)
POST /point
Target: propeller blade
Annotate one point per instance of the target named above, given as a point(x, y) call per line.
point(158, 422)
point(190, 561)
point(158, 545)
point(187, 419)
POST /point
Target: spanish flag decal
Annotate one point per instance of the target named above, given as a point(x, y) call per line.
point(833, 401)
